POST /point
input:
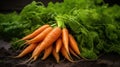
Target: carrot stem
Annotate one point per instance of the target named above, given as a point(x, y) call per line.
point(60, 22)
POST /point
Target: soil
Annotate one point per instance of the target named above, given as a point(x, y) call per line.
point(106, 60)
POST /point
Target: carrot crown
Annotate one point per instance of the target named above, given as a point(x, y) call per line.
point(60, 22)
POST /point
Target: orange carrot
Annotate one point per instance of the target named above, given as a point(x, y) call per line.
point(65, 39)
point(58, 44)
point(47, 52)
point(48, 41)
point(73, 44)
point(56, 55)
point(36, 32)
point(65, 54)
point(27, 50)
point(73, 53)
point(40, 36)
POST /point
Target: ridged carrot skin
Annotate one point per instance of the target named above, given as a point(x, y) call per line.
point(47, 52)
point(40, 36)
point(65, 54)
point(27, 50)
point(58, 44)
point(36, 32)
point(65, 39)
point(48, 41)
point(56, 55)
point(73, 44)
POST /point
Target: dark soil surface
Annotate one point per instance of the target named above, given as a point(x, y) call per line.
point(106, 60)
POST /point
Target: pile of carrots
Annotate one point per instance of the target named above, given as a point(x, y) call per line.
point(49, 40)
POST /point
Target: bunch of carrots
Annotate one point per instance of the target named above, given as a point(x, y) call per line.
point(50, 40)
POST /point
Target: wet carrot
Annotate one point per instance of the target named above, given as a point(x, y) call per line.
point(73, 44)
point(47, 52)
point(58, 44)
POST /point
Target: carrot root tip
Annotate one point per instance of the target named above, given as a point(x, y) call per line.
point(42, 58)
point(18, 41)
point(29, 60)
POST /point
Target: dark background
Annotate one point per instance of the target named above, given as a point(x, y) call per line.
point(17, 5)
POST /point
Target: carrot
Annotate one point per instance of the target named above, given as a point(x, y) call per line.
point(56, 55)
point(48, 41)
point(65, 54)
point(58, 44)
point(27, 50)
point(36, 32)
point(73, 53)
point(47, 52)
point(73, 44)
point(65, 39)
point(40, 36)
